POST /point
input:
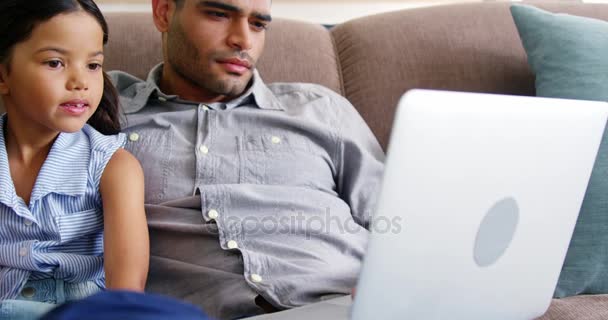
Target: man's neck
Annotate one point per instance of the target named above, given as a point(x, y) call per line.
point(173, 84)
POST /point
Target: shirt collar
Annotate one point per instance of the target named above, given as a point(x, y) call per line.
point(257, 94)
point(7, 188)
point(65, 170)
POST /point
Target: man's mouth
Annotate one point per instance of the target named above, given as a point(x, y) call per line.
point(235, 65)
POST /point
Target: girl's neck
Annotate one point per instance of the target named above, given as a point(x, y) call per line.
point(25, 145)
point(27, 150)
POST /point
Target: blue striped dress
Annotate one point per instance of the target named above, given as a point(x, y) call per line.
point(60, 234)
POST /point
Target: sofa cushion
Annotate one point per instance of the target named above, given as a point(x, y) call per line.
point(134, 44)
point(568, 56)
point(566, 53)
point(461, 47)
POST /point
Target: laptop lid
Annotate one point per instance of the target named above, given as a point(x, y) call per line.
point(478, 204)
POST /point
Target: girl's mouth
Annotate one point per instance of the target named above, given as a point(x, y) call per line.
point(75, 107)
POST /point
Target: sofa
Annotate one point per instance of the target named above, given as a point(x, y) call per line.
point(373, 60)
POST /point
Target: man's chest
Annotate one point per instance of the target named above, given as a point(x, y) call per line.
point(181, 151)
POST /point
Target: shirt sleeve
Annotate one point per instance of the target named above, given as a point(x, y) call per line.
point(360, 162)
point(103, 148)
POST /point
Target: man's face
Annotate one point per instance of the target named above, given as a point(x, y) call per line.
point(215, 45)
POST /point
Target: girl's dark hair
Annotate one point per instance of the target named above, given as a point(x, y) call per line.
point(18, 18)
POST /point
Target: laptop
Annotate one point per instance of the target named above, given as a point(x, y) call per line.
point(478, 204)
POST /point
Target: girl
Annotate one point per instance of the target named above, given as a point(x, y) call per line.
point(71, 199)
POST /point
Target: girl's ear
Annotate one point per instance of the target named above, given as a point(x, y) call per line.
point(4, 90)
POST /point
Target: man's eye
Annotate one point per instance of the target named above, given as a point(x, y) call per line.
point(217, 14)
point(259, 25)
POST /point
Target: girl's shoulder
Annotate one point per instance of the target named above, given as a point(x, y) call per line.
point(101, 149)
point(103, 143)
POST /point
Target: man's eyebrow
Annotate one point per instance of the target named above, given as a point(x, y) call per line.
point(65, 52)
point(229, 7)
point(262, 16)
point(219, 5)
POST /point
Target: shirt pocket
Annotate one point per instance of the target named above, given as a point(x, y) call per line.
point(150, 143)
point(285, 159)
point(77, 225)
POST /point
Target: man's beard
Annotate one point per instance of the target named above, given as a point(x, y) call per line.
point(185, 60)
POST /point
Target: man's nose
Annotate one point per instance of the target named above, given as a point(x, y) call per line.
point(240, 35)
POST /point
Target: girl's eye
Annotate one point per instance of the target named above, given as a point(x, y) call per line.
point(94, 66)
point(54, 64)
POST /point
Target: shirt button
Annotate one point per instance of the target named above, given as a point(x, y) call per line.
point(27, 222)
point(256, 278)
point(133, 137)
point(204, 149)
point(213, 214)
point(28, 292)
point(23, 251)
point(275, 140)
point(163, 99)
point(232, 244)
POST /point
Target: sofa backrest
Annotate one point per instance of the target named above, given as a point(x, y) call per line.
point(468, 47)
point(373, 60)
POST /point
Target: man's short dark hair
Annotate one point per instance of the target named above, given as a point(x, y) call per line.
point(179, 3)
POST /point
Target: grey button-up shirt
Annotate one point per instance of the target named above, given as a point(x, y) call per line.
point(288, 172)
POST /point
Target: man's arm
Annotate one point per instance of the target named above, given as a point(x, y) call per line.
point(360, 163)
point(126, 243)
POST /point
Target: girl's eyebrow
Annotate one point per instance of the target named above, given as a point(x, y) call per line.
point(65, 52)
point(58, 50)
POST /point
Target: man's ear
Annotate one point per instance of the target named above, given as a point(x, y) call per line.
point(162, 12)
point(4, 90)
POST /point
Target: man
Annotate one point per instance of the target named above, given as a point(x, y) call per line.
point(259, 196)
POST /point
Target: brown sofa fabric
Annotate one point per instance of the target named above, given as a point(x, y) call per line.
point(306, 54)
point(593, 307)
point(134, 44)
point(468, 47)
point(474, 48)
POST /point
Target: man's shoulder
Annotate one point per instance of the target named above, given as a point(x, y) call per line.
point(304, 89)
point(126, 84)
point(299, 94)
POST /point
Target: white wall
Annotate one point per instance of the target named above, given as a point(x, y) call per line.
point(336, 11)
point(318, 11)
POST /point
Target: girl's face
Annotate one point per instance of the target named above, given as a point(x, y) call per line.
point(55, 81)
